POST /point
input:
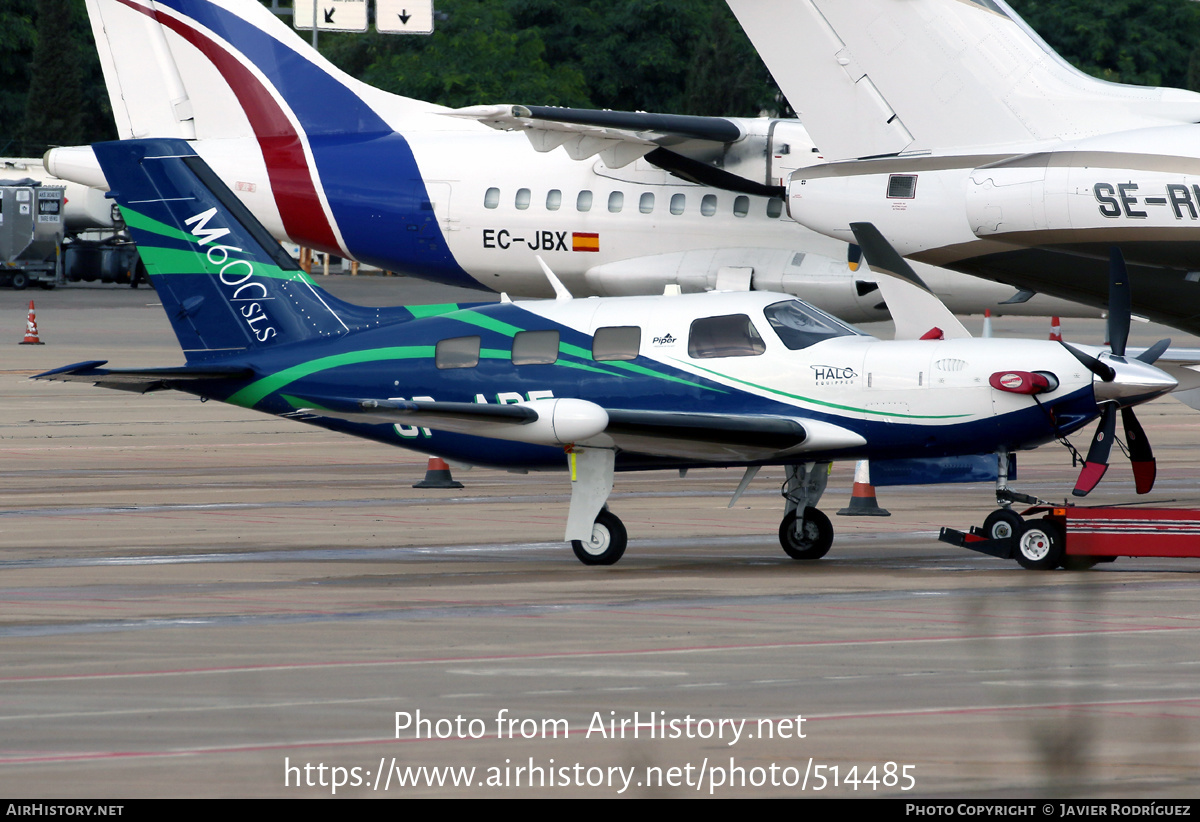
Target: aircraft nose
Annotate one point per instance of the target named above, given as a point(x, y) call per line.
point(1135, 382)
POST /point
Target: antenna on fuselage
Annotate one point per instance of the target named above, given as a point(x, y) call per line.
point(560, 291)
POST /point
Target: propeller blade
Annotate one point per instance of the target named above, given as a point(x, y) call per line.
point(1120, 303)
point(1145, 467)
point(1100, 369)
point(1151, 354)
point(1097, 458)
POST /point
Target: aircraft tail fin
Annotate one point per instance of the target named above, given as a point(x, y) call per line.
point(877, 77)
point(230, 69)
point(224, 282)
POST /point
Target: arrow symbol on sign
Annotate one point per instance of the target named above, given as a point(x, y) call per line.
point(329, 15)
point(404, 16)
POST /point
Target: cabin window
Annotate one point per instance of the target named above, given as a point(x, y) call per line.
point(584, 201)
point(774, 207)
point(799, 325)
point(535, 348)
point(741, 206)
point(646, 203)
point(616, 342)
point(457, 352)
point(678, 203)
point(522, 199)
point(491, 198)
point(730, 335)
point(708, 205)
point(553, 199)
point(616, 201)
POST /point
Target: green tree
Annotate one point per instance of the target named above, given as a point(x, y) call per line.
point(676, 56)
point(1144, 42)
point(475, 56)
point(53, 112)
point(16, 48)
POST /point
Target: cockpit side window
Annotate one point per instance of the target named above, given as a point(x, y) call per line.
point(799, 325)
point(730, 335)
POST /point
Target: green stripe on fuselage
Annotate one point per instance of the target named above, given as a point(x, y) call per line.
point(252, 394)
point(832, 404)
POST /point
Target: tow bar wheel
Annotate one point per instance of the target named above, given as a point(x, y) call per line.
point(1040, 544)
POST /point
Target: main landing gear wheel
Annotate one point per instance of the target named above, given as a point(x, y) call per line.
point(817, 537)
point(607, 544)
point(1040, 545)
point(1002, 523)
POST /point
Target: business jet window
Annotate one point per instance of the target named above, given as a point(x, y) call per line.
point(491, 198)
point(535, 348)
point(708, 206)
point(678, 203)
point(800, 325)
point(584, 201)
point(522, 200)
point(616, 202)
point(616, 342)
point(553, 199)
point(646, 203)
point(457, 352)
point(774, 207)
point(730, 335)
point(741, 206)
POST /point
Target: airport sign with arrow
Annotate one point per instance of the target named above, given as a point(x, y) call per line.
point(404, 16)
point(330, 15)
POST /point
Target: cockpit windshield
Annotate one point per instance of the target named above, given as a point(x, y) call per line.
point(799, 325)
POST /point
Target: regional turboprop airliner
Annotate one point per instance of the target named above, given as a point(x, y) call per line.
point(954, 128)
point(598, 385)
point(631, 202)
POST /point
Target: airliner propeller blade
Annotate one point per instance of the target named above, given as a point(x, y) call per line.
point(1097, 456)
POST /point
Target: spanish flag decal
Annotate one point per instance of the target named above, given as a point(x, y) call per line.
point(585, 242)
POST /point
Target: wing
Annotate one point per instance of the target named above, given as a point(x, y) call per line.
point(567, 421)
point(687, 146)
point(140, 380)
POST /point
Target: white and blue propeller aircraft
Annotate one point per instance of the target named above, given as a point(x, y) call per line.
point(597, 385)
point(955, 129)
point(632, 202)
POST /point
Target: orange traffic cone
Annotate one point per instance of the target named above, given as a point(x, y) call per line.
point(31, 332)
point(1055, 330)
point(437, 475)
point(862, 495)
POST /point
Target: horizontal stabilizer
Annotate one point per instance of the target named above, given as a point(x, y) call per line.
point(140, 380)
